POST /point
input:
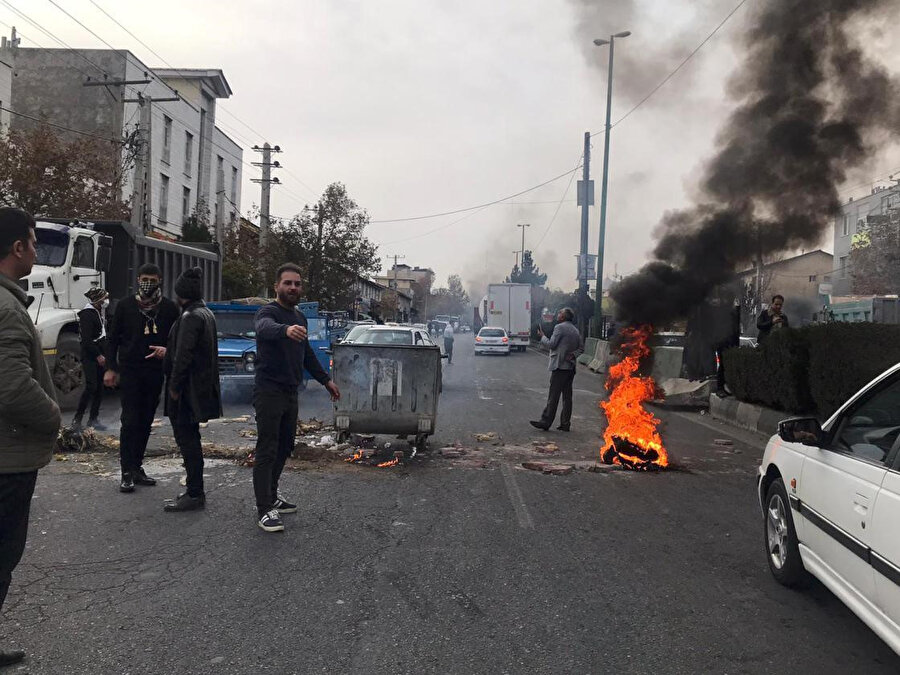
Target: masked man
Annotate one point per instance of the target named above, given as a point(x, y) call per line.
point(137, 346)
point(92, 327)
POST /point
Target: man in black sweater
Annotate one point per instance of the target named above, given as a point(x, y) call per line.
point(136, 349)
point(283, 351)
point(92, 328)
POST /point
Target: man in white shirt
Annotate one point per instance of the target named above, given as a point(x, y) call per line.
point(448, 341)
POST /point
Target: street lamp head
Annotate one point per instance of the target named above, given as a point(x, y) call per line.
point(600, 42)
point(623, 34)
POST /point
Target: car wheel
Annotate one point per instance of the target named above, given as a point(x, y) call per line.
point(782, 551)
point(67, 372)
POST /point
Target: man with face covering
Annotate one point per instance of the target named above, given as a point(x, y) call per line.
point(136, 349)
point(92, 327)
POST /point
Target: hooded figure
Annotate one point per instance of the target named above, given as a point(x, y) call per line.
point(192, 389)
point(92, 327)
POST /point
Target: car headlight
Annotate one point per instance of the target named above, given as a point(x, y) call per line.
point(250, 362)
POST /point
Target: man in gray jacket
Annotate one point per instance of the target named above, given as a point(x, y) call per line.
point(566, 346)
point(29, 415)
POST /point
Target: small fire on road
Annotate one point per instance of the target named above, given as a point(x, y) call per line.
point(631, 438)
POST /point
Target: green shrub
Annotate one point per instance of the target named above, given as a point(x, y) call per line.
point(843, 357)
point(812, 369)
point(775, 374)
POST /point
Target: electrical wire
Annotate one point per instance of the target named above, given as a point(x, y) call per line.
point(677, 68)
point(562, 199)
point(61, 127)
point(477, 206)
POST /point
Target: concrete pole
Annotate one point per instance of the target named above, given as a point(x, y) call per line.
point(523, 226)
point(265, 186)
point(598, 307)
point(585, 224)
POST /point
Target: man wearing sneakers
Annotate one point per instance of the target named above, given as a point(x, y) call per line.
point(283, 351)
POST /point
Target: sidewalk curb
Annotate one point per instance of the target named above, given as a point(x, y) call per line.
point(756, 418)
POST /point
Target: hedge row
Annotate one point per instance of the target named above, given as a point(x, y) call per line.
point(812, 369)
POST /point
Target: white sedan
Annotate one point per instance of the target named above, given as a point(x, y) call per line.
point(830, 497)
point(491, 340)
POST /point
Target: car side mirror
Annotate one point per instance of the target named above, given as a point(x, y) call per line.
point(805, 430)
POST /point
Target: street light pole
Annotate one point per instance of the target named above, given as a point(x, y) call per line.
point(598, 307)
point(523, 226)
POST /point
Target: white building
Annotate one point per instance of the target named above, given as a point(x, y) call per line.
point(191, 162)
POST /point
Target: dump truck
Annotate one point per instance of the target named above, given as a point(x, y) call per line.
point(74, 256)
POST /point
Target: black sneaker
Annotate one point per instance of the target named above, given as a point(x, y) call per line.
point(271, 522)
point(184, 502)
point(141, 478)
point(283, 505)
point(539, 425)
point(127, 484)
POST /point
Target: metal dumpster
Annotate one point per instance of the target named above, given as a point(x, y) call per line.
point(387, 389)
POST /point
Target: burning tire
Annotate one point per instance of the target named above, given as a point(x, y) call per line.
point(782, 551)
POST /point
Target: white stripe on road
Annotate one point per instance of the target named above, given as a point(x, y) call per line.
point(515, 496)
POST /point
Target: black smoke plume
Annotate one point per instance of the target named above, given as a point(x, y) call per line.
point(811, 106)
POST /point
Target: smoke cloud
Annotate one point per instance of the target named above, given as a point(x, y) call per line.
point(811, 106)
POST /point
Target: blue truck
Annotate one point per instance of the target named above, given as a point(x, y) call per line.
point(237, 342)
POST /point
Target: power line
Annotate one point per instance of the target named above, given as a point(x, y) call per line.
point(562, 199)
point(60, 126)
point(678, 67)
point(478, 206)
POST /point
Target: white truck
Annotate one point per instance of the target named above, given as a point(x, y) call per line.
point(73, 257)
point(508, 306)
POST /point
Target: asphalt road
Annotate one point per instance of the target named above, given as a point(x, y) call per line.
point(437, 566)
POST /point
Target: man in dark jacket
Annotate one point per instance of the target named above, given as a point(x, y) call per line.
point(29, 415)
point(283, 351)
point(192, 392)
point(772, 319)
point(92, 327)
point(137, 347)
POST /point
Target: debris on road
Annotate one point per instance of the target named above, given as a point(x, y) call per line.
point(723, 442)
point(548, 468)
point(452, 452)
point(88, 440)
point(247, 433)
point(484, 438)
point(310, 426)
point(545, 448)
point(230, 420)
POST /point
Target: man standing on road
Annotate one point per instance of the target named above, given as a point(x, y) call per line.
point(137, 347)
point(283, 351)
point(448, 341)
point(92, 328)
point(192, 394)
point(29, 415)
point(771, 319)
point(565, 346)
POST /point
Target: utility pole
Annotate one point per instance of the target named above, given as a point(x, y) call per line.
point(598, 308)
point(264, 221)
point(141, 213)
point(396, 290)
point(523, 226)
point(585, 201)
point(516, 252)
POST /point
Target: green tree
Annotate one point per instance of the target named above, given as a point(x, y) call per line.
point(240, 267)
point(327, 241)
point(528, 273)
point(875, 255)
point(196, 229)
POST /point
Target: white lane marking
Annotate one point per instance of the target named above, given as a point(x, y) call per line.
point(515, 496)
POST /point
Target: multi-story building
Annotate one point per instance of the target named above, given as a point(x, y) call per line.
point(6, 76)
point(851, 220)
point(191, 165)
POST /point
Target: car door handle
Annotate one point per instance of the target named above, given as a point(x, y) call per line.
point(860, 504)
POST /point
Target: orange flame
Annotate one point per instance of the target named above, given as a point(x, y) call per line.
point(393, 462)
point(627, 418)
point(358, 455)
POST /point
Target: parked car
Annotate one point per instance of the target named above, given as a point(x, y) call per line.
point(354, 333)
point(830, 498)
point(394, 335)
point(492, 340)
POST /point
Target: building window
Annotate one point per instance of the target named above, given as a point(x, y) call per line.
point(845, 230)
point(860, 225)
point(188, 152)
point(185, 204)
point(167, 139)
point(843, 260)
point(234, 186)
point(812, 277)
point(163, 198)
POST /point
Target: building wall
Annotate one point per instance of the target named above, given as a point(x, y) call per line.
point(225, 186)
point(848, 222)
point(798, 279)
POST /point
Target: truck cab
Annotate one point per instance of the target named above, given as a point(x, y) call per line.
point(70, 261)
point(236, 328)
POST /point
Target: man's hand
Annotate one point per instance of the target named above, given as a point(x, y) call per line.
point(156, 352)
point(540, 332)
point(296, 333)
point(333, 390)
point(101, 361)
point(111, 379)
point(174, 395)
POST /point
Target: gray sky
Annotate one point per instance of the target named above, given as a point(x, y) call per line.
point(421, 107)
